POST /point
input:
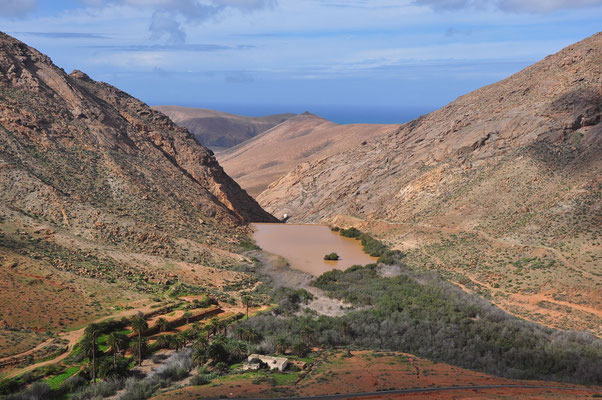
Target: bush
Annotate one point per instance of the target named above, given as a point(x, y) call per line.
point(300, 349)
point(350, 233)
point(199, 380)
point(139, 389)
point(37, 391)
point(331, 257)
point(72, 383)
point(99, 390)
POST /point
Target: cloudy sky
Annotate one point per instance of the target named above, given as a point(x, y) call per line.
point(260, 56)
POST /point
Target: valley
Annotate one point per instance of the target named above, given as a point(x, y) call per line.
point(460, 252)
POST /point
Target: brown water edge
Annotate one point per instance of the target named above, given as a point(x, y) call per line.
point(304, 246)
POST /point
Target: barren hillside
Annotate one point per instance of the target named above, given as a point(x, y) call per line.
point(218, 129)
point(103, 201)
point(259, 161)
point(501, 189)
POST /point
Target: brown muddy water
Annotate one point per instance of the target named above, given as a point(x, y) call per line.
point(304, 246)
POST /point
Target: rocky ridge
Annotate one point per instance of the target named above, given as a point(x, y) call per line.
point(218, 129)
point(501, 186)
point(261, 160)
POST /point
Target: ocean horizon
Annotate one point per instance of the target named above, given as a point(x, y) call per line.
point(340, 114)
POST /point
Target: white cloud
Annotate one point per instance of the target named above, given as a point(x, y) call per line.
point(170, 16)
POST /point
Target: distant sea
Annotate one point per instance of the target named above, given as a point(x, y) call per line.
point(339, 114)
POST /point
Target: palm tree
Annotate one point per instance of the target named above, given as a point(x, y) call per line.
point(282, 344)
point(92, 332)
point(163, 341)
point(196, 330)
point(238, 349)
point(138, 347)
point(163, 324)
point(223, 325)
point(345, 329)
point(214, 325)
point(252, 336)
point(176, 342)
point(217, 350)
point(246, 300)
point(116, 341)
point(306, 332)
point(199, 353)
point(139, 326)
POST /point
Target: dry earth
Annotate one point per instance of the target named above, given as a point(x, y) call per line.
point(501, 189)
point(365, 371)
point(259, 161)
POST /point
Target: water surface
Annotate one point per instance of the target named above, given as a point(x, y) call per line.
point(304, 246)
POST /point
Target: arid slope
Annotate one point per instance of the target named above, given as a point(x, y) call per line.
point(261, 160)
point(218, 129)
point(501, 189)
point(103, 201)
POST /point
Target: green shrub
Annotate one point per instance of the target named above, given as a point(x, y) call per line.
point(331, 257)
point(199, 380)
point(351, 233)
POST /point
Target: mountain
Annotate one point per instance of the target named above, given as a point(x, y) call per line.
point(501, 189)
point(218, 129)
point(103, 201)
point(261, 160)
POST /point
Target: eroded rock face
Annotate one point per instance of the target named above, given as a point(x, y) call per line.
point(491, 153)
point(87, 156)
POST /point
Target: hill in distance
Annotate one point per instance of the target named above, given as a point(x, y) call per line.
point(501, 190)
point(104, 202)
point(263, 159)
point(217, 129)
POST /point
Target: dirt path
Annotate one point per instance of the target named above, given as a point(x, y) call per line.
point(386, 393)
point(536, 298)
point(72, 337)
point(28, 352)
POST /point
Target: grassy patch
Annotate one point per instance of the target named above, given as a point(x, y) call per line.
point(55, 381)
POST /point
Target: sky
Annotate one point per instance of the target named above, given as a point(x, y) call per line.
point(350, 61)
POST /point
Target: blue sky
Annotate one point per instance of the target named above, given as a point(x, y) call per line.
point(261, 56)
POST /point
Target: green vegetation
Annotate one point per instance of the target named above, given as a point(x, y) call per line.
point(56, 381)
point(331, 257)
point(424, 315)
point(372, 246)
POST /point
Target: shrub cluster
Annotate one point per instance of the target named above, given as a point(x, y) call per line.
point(426, 316)
point(372, 246)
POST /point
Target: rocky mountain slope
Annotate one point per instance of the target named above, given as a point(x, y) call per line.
point(101, 198)
point(217, 129)
point(261, 160)
point(502, 189)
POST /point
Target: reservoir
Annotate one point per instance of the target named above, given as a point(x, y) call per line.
point(304, 246)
